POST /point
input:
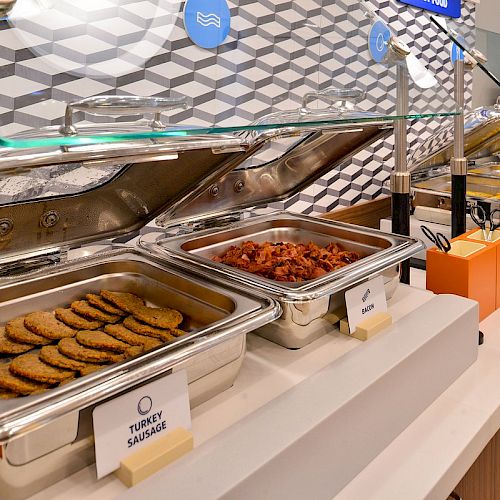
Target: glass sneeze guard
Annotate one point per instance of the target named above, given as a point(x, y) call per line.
point(463, 36)
point(82, 139)
point(241, 98)
point(277, 50)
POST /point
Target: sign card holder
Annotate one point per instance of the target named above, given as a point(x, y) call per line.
point(138, 418)
point(154, 456)
point(366, 306)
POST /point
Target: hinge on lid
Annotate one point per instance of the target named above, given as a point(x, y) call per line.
point(13, 266)
point(191, 226)
point(227, 149)
point(217, 221)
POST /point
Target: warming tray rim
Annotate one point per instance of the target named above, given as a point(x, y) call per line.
point(325, 285)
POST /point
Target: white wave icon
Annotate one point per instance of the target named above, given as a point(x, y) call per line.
point(208, 19)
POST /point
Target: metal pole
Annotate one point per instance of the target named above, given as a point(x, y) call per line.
point(458, 163)
point(401, 142)
point(400, 177)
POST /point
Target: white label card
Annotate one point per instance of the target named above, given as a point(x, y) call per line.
point(129, 422)
point(364, 301)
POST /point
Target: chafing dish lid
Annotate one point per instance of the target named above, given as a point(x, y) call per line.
point(291, 149)
point(107, 186)
point(481, 134)
point(96, 141)
point(163, 171)
point(342, 104)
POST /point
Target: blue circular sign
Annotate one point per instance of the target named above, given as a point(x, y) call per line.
point(377, 41)
point(207, 22)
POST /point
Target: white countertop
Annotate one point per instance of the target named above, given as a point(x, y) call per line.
point(425, 461)
point(428, 459)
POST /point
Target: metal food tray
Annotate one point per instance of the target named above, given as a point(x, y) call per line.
point(489, 170)
point(478, 187)
point(49, 436)
point(304, 304)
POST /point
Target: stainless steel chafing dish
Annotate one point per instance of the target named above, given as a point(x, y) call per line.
point(306, 306)
point(429, 162)
point(479, 187)
point(49, 436)
point(185, 180)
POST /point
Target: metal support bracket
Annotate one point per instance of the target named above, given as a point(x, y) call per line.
point(400, 182)
point(458, 166)
point(400, 177)
point(458, 163)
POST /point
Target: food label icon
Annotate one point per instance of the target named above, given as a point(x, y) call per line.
point(144, 406)
point(207, 22)
point(208, 19)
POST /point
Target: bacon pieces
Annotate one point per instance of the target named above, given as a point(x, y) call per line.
point(287, 261)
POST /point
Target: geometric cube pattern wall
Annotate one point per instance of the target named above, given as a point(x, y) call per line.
point(277, 51)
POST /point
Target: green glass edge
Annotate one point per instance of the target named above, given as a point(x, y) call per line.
point(87, 140)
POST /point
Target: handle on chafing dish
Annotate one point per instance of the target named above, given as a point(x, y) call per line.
point(338, 99)
point(116, 105)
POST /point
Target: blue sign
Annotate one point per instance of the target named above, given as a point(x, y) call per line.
point(450, 8)
point(456, 53)
point(207, 22)
point(377, 41)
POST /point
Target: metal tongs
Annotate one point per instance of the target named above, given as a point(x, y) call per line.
point(486, 224)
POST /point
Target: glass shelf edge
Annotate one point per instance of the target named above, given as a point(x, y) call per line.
point(186, 132)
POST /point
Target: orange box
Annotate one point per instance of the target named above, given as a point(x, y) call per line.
point(477, 235)
point(469, 269)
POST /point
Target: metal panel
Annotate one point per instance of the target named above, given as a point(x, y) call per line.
point(281, 178)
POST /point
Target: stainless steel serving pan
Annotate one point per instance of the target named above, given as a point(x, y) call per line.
point(48, 436)
point(214, 314)
point(479, 187)
point(306, 303)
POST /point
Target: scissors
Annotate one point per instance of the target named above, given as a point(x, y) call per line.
point(486, 224)
point(439, 239)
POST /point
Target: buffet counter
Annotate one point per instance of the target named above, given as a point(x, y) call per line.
point(431, 456)
point(425, 461)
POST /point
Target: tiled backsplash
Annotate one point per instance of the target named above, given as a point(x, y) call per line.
point(277, 51)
